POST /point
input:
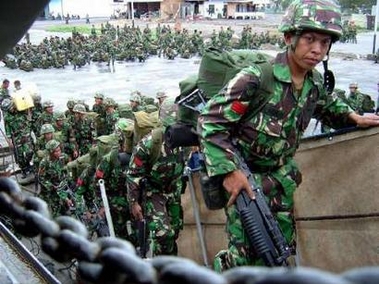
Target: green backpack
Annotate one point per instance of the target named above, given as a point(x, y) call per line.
point(368, 105)
point(217, 67)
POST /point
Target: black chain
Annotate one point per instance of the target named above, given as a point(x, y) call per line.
point(112, 260)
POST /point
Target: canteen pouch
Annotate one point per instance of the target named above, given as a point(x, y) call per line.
point(213, 191)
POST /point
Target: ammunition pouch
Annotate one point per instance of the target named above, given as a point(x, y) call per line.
point(213, 191)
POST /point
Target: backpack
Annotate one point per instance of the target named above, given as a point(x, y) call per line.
point(144, 123)
point(217, 67)
point(368, 105)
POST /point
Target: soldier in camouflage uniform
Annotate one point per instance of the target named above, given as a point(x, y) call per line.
point(47, 134)
point(152, 178)
point(36, 111)
point(111, 115)
point(47, 116)
point(99, 108)
point(358, 101)
point(82, 131)
point(18, 131)
point(4, 90)
point(69, 112)
point(268, 139)
point(112, 169)
point(54, 180)
point(135, 101)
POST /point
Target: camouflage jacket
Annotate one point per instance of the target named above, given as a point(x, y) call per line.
point(52, 173)
point(162, 175)
point(17, 125)
point(114, 178)
point(269, 138)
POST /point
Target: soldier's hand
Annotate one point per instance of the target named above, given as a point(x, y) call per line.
point(234, 182)
point(137, 211)
point(363, 121)
point(9, 141)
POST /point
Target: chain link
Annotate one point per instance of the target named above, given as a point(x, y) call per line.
point(113, 260)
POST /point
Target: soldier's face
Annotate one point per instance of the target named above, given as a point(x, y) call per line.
point(57, 153)
point(310, 50)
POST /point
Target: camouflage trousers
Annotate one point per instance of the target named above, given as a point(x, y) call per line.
point(279, 188)
point(55, 203)
point(164, 214)
point(119, 208)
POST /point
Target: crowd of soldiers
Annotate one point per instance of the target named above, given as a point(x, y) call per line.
point(128, 43)
point(70, 152)
point(349, 32)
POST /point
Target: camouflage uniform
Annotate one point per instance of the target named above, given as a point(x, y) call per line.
point(99, 108)
point(52, 172)
point(159, 197)
point(113, 172)
point(82, 130)
point(18, 129)
point(45, 117)
point(111, 115)
point(267, 140)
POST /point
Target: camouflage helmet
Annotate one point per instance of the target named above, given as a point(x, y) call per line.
point(52, 145)
point(47, 128)
point(59, 116)
point(71, 103)
point(109, 102)
point(135, 97)
point(47, 104)
point(318, 15)
point(161, 95)
point(99, 96)
point(168, 112)
point(79, 108)
point(7, 104)
point(353, 85)
point(36, 98)
point(150, 108)
point(124, 124)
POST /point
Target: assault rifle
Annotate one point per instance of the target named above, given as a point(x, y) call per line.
point(262, 229)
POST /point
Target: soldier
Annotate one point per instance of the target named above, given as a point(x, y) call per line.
point(4, 91)
point(47, 116)
point(135, 101)
point(69, 112)
point(358, 101)
point(111, 116)
point(47, 134)
point(81, 131)
point(268, 138)
point(18, 131)
point(17, 85)
point(54, 181)
point(99, 108)
point(36, 112)
point(152, 178)
point(161, 96)
point(112, 169)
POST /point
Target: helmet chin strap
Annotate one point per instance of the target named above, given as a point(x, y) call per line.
point(329, 79)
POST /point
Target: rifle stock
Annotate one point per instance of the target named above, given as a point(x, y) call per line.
point(262, 228)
